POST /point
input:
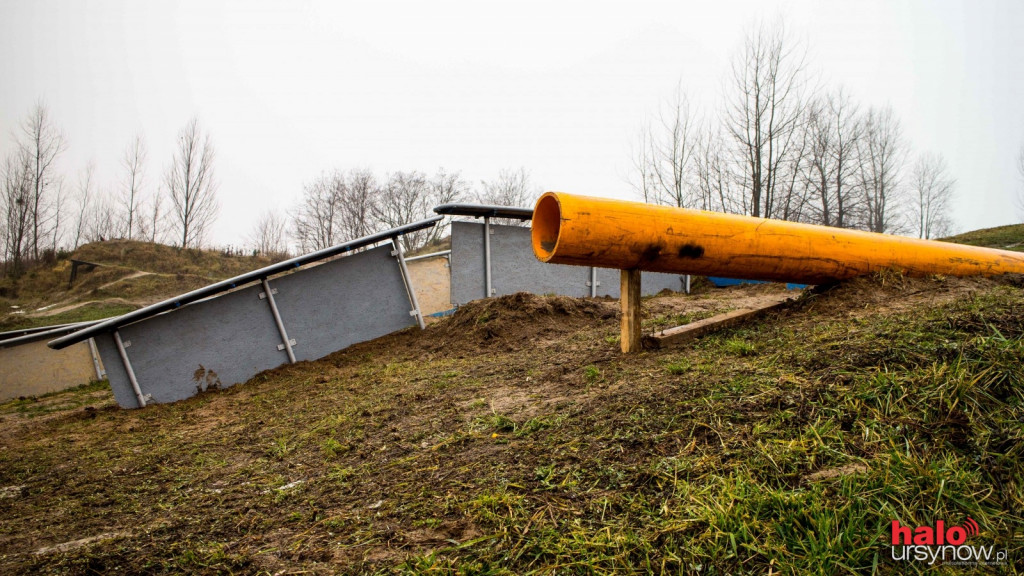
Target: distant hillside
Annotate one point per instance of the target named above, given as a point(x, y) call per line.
point(1006, 237)
point(129, 275)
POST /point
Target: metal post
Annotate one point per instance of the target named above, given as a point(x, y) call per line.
point(128, 369)
point(487, 257)
point(397, 252)
point(277, 320)
point(687, 281)
point(593, 282)
point(100, 373)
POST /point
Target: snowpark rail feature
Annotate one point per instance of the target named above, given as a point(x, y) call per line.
point(633, 236)
point(229, 331)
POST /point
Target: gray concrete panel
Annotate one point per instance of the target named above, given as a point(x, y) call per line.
point(220, 341)
point(116, 375)
point(231, 337)
point(336, 304)
point(608, 282)
point(514, 268)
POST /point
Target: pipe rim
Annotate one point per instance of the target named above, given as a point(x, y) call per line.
point(546, 227)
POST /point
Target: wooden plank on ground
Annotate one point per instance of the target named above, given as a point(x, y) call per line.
point(629, 299)
point(682, 334)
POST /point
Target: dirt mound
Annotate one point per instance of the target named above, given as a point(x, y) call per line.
point(520, 319)
point(889, 291)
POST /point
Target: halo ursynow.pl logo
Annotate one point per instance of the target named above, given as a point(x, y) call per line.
point(941, 543)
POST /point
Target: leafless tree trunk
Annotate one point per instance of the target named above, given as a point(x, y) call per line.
point(157, 220)
point(641, 179)
point(317, 219)
point(17, 209)
point(714, 180)
point(357, 205)
point(764, 117)
point(933, 193)
point(84, 199)
point(191, 186)
point(445, 188)
point(102, 222)
point(43, 143)
point(268, 236)
point(881, 150)
point(510, 188)
point(666, 154)
point(405, 198)
point(832, 166)
point(132, 162)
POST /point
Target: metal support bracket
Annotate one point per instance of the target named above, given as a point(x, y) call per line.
point(488, 289)
point(129, 371)
point(407, 280)
point(268, 294)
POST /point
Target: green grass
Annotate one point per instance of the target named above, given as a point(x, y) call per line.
point(785, 446)
point(1006, 237)
point(87, 312)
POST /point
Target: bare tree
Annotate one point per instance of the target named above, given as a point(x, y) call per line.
point(405, 198)
point(932, 189)
point(445, 188)
point(641, 178)
point(16, 179)
point(714, 179)
point(665, 157)
point(357, 207)
point(831, 165)
point(43, 143)
point(132, 162)
point(510, 188)
point(317, 219)
point(191, 185)
point(85, 196)
point(102, 222)
point(882, 150)
point(268, 237)
point(764, 116)
point(157, 219)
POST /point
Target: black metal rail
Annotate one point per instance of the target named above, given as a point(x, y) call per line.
point(241, 280)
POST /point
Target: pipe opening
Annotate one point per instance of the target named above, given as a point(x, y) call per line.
point(547, 222)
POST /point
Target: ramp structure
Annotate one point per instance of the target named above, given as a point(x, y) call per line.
point(227, 332)
point(632, 236)
point(29, 368)
point(491, 259)
point(585, 231)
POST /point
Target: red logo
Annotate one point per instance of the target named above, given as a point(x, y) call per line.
point(939, 535)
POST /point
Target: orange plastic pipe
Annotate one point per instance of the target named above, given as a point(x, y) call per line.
point(570, 229)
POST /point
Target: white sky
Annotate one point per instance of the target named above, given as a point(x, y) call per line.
point(290, 89)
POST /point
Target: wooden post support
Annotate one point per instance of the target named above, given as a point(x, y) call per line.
point(629, 297)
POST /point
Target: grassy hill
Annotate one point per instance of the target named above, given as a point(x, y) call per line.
point(1005, 237)
point(130, 275)
point(514, 438)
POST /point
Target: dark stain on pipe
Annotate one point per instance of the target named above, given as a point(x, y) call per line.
point(692, 251)
point(651, 253)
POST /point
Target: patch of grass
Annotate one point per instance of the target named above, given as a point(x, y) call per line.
point(1005, 237)
point(681, 366)
point(791, 449)
point(85, 313)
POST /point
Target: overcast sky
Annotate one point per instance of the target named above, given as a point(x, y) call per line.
point(288, 90)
